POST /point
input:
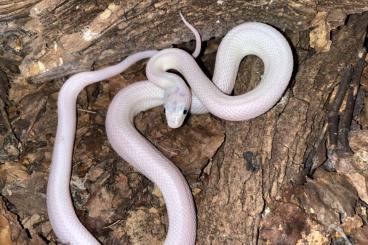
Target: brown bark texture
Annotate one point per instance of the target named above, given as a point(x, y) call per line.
point(296, 175)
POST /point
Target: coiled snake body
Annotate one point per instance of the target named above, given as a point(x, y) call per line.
point(169, 89)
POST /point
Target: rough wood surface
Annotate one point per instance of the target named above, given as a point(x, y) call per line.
point(279, 143)
point(61, 37)
point(263, 181)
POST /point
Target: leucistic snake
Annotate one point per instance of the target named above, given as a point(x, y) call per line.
point(170, 90)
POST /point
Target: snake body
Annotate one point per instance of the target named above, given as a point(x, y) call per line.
point(246, 39)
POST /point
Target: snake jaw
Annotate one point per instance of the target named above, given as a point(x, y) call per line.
point(175, 114)
point(175, 123)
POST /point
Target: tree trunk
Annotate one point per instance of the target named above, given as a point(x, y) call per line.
point(286, 177)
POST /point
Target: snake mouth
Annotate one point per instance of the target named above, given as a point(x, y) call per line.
point(174, 123)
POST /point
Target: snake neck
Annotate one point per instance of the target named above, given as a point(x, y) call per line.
point(171, 59)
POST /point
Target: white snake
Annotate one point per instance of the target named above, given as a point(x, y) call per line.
point(169, 89)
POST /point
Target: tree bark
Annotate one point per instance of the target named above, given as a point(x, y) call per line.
point(62, 37)
point(268, 180)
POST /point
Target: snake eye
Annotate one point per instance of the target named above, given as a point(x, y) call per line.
point(185, 111)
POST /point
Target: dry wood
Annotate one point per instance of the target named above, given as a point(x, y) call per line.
point(254, 182)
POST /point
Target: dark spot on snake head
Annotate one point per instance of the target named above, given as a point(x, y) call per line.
point(185, 111)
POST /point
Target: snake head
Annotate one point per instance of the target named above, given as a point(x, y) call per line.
point(177, 103)
point(175, 115)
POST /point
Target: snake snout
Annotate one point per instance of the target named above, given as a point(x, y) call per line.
point(174, 121)
point(174, 118)
point(173, 124)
